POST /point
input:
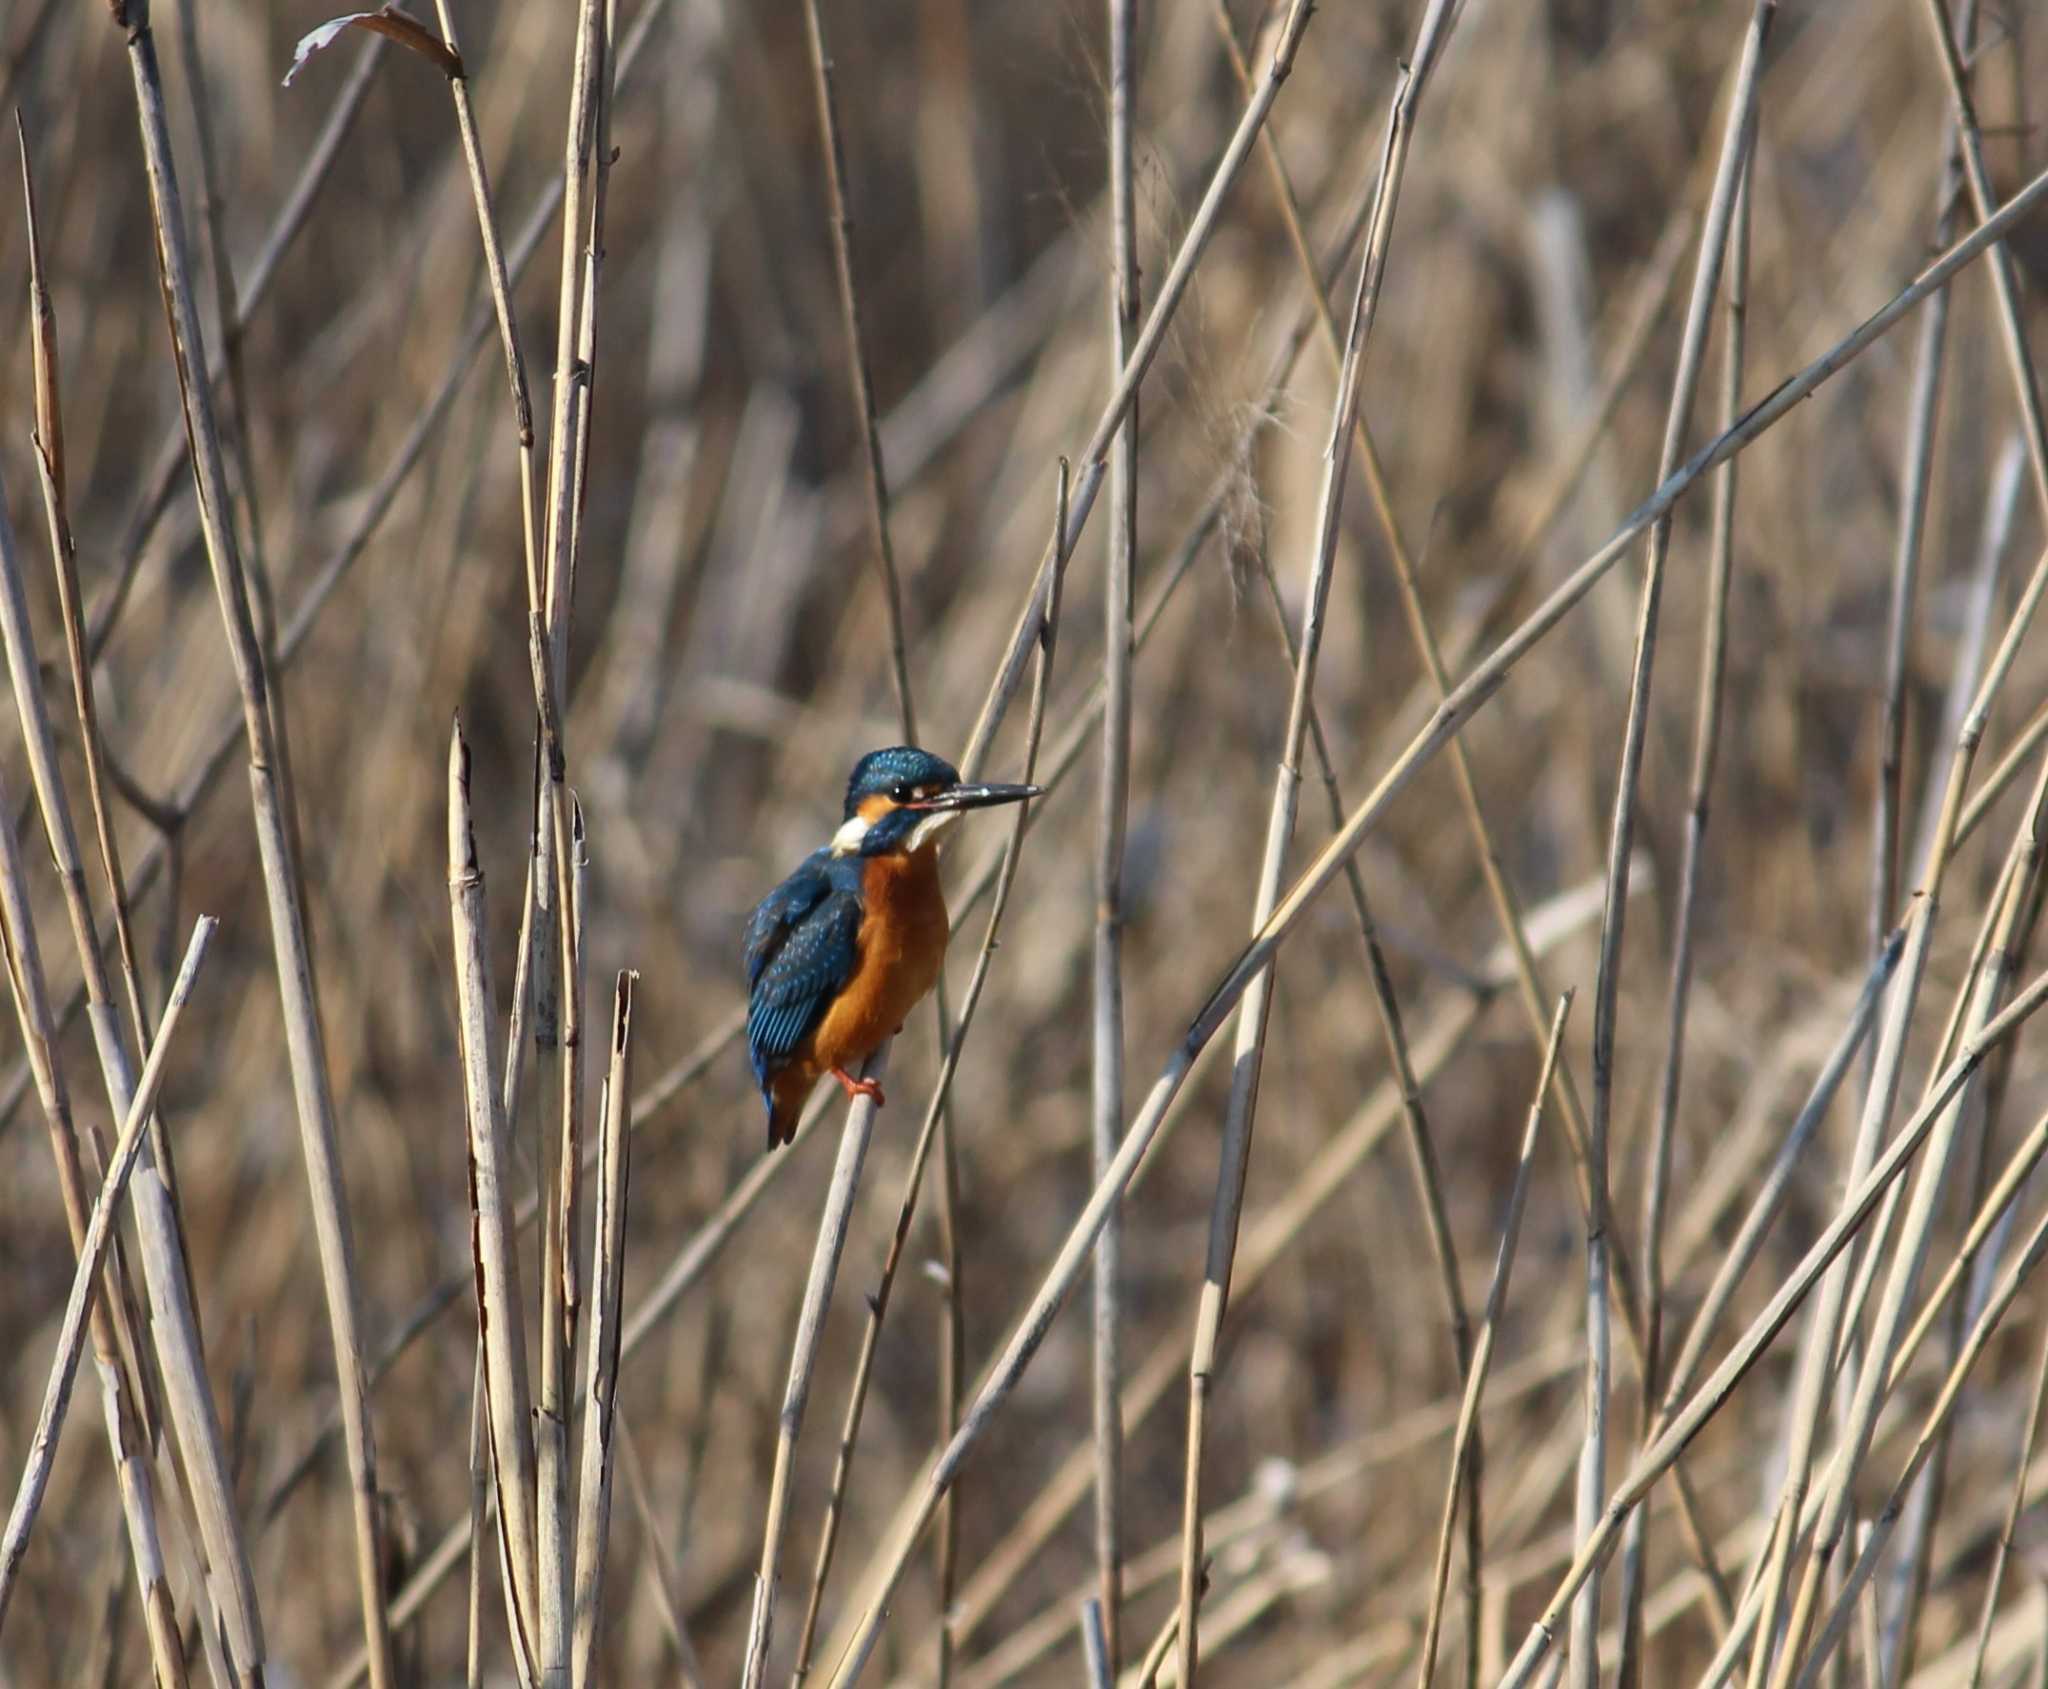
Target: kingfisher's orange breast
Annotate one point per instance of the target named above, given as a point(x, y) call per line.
point(901, 944)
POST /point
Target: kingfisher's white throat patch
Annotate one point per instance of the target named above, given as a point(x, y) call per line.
point(932, 828)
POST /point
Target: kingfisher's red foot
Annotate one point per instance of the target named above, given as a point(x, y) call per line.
point(859, 1087)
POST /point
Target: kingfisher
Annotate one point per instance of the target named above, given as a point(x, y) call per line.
point(841, 952)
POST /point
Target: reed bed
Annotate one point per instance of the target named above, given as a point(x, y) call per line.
point(1578, 475)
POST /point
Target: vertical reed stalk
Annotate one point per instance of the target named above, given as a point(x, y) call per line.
point(1112, 813)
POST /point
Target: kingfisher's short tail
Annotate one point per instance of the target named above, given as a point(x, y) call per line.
point(785, 1109)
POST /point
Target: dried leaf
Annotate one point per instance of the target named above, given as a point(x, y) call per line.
point(400, 26)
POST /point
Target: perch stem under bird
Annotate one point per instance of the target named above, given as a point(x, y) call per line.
point(841, 952)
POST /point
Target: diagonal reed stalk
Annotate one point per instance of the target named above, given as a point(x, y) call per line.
point(2003, 1554)
point(85, 1282)
point(131, 1415)
point(285, 892)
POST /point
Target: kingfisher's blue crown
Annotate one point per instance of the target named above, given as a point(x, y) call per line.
point(896, 772)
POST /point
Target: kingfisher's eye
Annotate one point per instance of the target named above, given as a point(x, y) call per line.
point(902, 791)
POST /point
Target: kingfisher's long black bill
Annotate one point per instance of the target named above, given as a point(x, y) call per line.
point(982, 797)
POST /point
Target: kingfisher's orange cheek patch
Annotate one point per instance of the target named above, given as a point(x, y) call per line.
point(876, 805)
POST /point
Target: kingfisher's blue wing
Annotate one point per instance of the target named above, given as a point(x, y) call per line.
point(801, 950)
point(782, 909)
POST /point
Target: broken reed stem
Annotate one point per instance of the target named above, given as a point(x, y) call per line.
point(1106, 1070)
point(833, 1224)
point(1482, 1358)
point(906, 1208)
point(92, 1253)
point(1706, 747)
point(286, 893)
point(601, 1370)
point(1249, 1052)
point(1737, 134)
point(501, 1319)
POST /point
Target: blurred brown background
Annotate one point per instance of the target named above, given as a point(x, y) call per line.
point(729, 662)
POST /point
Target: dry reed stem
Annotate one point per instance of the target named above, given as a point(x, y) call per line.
point(1482, 1358)
point(499, 278)
point(1930, 353)
point(501, 1318)
point(1260, 1511)
point(92, 1255)
point(1815, 1375)
point(934, 1116)
point(601, 1370)
point(2028, 1432)
point(49, 453)
point(131, 1416)
point(286, 896)
point(1106, 1070)
point(549, 940)
point(833, 1223)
